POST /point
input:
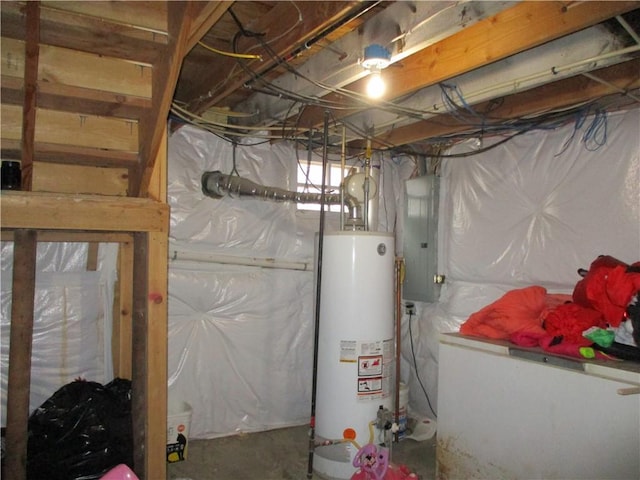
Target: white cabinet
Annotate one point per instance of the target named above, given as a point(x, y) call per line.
point(504, 417)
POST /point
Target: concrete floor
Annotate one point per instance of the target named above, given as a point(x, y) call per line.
point(279, 455)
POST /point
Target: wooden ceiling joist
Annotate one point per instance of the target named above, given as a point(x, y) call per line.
point(315, 16)
point(209, 14)
point(571, 91)
point(524, 26)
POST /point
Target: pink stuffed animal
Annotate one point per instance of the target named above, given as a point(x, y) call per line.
point(373, 464)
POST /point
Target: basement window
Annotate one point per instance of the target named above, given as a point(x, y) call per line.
point(310, 180)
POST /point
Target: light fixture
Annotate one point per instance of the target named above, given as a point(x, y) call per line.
point(376, 57)
point(375, 85)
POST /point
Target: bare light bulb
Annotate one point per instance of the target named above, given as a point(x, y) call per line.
point(375, 85)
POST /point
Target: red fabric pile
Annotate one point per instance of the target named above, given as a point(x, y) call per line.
point(532, 317)
point(608, 288)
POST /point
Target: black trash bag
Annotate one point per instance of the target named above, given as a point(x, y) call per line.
point(81, 432)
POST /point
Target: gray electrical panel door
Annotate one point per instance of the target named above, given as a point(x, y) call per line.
point(421, 238)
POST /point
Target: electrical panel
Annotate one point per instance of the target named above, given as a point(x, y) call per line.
point(421, 281)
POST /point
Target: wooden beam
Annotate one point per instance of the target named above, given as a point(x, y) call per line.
point(563, 93)
point(79, 69)
point(524, 26)
point(20, 346)
point(158, 183)
point(165, 77)
point(92, 256)
point(84, 33)
point(80, 179)
point(139, 378)
point(72, 155)
point(32, 55)
point(149, 399)
point(88, 131)
point(121, 344)
point(149, 16)
point(36, 210)
point(81, 237)
point(209, 14)
point(316, 16)
point(157, 348)
point(66, 98)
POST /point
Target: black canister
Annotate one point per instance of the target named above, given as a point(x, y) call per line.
point(11, 175)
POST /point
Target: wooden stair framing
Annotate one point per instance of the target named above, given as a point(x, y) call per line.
point(86, 91)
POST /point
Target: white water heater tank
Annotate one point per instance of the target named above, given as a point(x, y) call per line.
point(355, 344)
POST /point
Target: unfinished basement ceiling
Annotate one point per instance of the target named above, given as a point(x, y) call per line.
point(89, 85)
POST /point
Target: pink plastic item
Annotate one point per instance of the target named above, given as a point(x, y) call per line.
point(394, 472)
point(120, 472)
point(373, 464)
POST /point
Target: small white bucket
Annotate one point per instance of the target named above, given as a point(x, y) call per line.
point(178, 424)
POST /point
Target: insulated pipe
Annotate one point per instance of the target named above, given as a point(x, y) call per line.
point(216, 184)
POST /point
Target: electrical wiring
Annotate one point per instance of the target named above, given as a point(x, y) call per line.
point(204, 121)
point(454, 103)
point(415, 365)
point(359, 98)
point(224, 133)
point(289, 30)
point(230, 54)
point(234, 170)
point(479, 123)
point(596, 134)
point(217, 110)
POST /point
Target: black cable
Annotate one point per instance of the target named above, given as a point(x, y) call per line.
point(234, 169)
point(316, 335)
point(415, 365)
point(246, 33)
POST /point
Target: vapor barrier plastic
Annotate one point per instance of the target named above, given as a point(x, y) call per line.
point(241, 337)
point(72, 318)
point(531, 211)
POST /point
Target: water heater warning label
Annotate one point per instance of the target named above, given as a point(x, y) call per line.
point(348, 351)
point(370, 366)
point(370, 386)
point(374, 360)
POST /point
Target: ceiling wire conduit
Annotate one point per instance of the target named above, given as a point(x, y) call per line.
point(216, 184)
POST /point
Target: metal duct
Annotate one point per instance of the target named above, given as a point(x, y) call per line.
point(216, 184)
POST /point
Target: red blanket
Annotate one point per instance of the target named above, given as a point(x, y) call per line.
point(519, 310)
point(531, 317)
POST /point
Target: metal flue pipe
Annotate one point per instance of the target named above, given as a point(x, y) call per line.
point(216, 184)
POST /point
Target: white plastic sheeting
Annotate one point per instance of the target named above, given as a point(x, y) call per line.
point(241, 337)
point(72, 318)
point(531, 211)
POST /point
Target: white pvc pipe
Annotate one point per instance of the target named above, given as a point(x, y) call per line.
point(236, 260)
point(554, 71)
